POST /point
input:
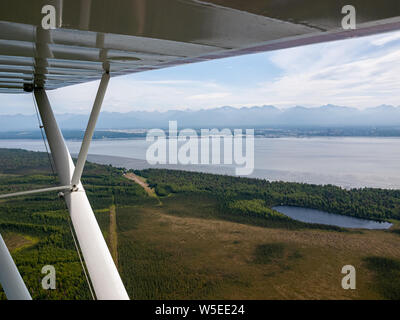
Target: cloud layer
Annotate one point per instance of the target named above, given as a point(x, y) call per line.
point(361, 73)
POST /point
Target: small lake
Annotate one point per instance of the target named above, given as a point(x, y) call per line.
point(321, 217)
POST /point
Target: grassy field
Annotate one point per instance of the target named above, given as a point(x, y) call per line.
point(16, 242)
point(183, 250)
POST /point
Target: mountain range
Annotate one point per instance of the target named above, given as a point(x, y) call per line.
point(254, 117)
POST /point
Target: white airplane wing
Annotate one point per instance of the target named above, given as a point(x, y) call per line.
point(128, 36)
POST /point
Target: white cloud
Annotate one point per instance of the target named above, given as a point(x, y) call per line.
point(363, 72)
point(208, 96)
point(337, 78)
point(386, 39)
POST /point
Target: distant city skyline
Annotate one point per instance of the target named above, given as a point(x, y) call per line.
point(359, 73)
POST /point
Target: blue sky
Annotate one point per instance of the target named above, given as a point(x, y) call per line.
point(361, 73)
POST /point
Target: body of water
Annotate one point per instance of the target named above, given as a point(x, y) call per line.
point(347, 162)
point(321, 217)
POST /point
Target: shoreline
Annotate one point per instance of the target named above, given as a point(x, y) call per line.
point(138, 164)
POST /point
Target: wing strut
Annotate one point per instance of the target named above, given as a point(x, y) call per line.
point(25, 193)
point(10, 279)
point(106, 281)
point(90, 129)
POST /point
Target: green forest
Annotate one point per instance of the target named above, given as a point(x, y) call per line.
point(43, 219)
point(37, 227)
point(257, 196)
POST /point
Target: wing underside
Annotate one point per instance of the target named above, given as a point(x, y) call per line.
point(129, 36)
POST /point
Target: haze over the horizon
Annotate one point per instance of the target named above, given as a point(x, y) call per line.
point(359, 73)
point(264, 116)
